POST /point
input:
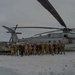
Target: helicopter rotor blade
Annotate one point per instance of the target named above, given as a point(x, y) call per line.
point(47, 5)
point(18, 32)
point(15, 27)
point(40, 27)
point(48, 32)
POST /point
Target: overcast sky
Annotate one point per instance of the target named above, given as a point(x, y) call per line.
point(31, 13)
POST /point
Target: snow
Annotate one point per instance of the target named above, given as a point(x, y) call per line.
point(38, 64)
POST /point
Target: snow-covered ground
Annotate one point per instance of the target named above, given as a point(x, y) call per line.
point(38, 65)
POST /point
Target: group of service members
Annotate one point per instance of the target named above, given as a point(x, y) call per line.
point(38, 48)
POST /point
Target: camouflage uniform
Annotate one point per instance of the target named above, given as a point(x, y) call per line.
point(51, 48)
point(26, 49)
point(34, 49)
point(47, 48)
point(56, 48)
point(15, 48)
point(30, 49)
point(43, 48)
point(39, 49)
point(59, 47)
point(62, 48)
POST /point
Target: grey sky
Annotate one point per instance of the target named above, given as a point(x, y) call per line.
point(31, 13)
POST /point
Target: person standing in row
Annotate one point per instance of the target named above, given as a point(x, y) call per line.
point(21, 49)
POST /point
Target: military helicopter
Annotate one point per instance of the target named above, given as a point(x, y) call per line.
point(67, 35)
